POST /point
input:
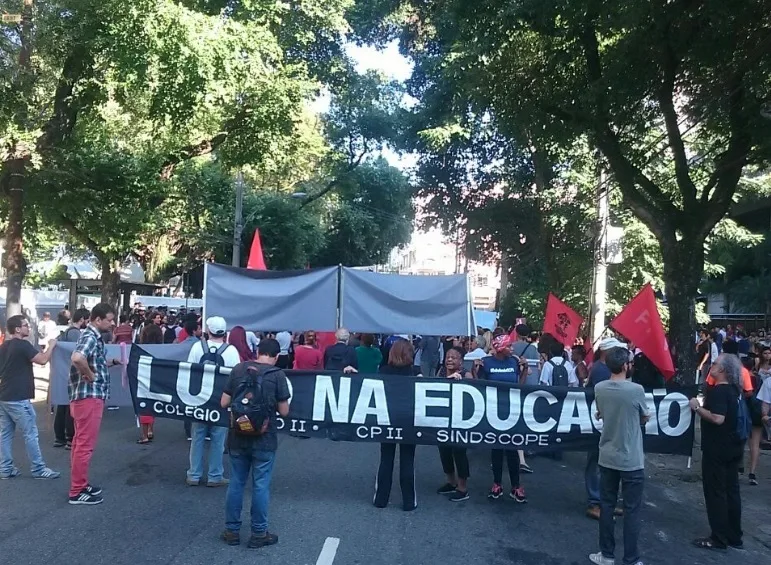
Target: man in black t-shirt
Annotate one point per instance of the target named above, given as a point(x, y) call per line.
point(17, 388)
point(255, 453)
point(722, 453)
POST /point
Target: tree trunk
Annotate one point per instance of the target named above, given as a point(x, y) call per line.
point(15, 264)
point(111, 282)
point(683, 266)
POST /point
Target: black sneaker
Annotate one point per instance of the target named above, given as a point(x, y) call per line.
point(261, 540)
point(446, 488)
point(86, 499)
point(68, 446)
point(59, 443)
point(93, 490)
point(459, 496)
point(753, 479)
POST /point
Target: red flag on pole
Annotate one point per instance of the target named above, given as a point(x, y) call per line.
point(256, 260)
point(561, 321)
point(640, 322)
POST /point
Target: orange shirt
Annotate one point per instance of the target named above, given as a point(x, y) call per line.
point(746, 380)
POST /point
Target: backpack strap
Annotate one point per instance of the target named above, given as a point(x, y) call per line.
point(222, 348)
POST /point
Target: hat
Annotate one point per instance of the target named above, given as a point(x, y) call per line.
point(216, 326)
point(611, 342)
point(501, 342)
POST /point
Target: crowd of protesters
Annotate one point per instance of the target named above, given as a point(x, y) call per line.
point(735, 369)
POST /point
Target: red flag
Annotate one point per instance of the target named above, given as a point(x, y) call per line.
point(256, 260)
point(561, 321)
point(640, 322)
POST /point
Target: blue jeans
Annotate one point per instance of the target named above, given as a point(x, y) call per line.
point(632, 488)
point(261, 464)
point(216, 449)
point(592, 478)
point(19, 414)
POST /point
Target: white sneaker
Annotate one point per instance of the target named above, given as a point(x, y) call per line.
point(47, 474)
point(599, 559)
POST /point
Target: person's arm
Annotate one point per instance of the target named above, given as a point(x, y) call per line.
point(282, 395)
point(719, 409)
point(43, 357)
point(703, 361)
point(227, 392)
point(642, 404)
point(545, 378)
point(83, 350)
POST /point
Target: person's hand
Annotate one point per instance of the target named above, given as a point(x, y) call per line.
point(115, 361)
point(694, 404)
point(765, 419)
point(350, 369)
point(455, 376)
point(89, 378)
point(597, 416)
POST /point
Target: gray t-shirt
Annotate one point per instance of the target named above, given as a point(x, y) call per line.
point(530, 352)
point(621, 404)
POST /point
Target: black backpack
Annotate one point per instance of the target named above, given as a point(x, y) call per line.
point(559, 374)
point(213, 355)
point(250, 412)
point(170, 335)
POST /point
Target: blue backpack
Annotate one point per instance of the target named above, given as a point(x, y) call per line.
point(743, 420)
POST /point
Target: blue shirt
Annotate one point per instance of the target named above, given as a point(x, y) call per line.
point(597, 374)
point(494, 369)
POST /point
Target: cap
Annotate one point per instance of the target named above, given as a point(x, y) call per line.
point(610, 343)
point(501, 342)
point(216, 326)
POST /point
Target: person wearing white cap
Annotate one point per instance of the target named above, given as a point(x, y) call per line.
point(214, 350)
point(598, 373)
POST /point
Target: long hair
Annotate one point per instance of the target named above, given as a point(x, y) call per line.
point(733, 369)
point(237, 339)
point(151, 334)
point(402, 354)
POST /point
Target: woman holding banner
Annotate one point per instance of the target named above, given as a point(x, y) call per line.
point(454, 459)
point(400, 359)
point(151, 334)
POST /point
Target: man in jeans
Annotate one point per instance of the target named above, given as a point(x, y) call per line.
point(214, 350)
point(623, 409)
point(17, 388)
point(89, 389)
point(255, 453)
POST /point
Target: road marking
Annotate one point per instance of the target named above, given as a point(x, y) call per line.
point(328, 552)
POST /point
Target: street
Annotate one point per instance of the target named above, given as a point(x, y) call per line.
point(321, 509)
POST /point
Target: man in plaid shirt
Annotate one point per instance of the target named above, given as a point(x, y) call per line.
point(89, 388)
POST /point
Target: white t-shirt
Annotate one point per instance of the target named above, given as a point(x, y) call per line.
point(713, 352)
point(229, 355)
point(252, 340)
point(284, 340)
point(547, 369)
point(46, 331)
point(764, 394)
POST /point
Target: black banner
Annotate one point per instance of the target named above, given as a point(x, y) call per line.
point(389, 408)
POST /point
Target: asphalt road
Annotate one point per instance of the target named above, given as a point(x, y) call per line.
point(322, 490)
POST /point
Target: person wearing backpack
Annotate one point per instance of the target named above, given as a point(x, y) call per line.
point(215, 351)
point(558, 371)
point(725, 426)
point(255, 391)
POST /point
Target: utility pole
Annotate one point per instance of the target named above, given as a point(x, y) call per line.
point(238, 224)
point(600, 276)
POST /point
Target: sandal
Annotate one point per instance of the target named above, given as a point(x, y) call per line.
point(150, 437)
point(708, 543)
point(143, 441)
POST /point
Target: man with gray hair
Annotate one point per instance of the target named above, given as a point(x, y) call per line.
point(341, 356)
point(722, 452)
point(623, 409)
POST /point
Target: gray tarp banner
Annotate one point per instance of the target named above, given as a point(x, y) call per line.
point(387, 303)
point(119, 395)
point(272, 300)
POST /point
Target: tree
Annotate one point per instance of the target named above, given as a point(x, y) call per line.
point(647, 83)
